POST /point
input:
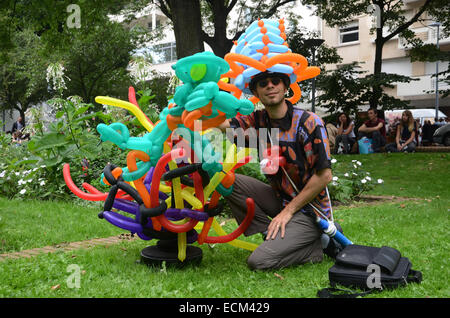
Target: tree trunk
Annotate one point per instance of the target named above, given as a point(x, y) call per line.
point(379, 43)
point(187, 25)
point(377, 89)
point(220, 44)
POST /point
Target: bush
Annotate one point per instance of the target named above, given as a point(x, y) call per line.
point(35, 168)
point(350, 180)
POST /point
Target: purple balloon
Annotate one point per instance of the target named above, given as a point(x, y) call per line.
point(126, 205)
point(143, 236)
point(121, 221)
point(149, 176)
point(183, 213)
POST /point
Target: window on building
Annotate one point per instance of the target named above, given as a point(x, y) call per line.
point(164, 53)
point(349, 33)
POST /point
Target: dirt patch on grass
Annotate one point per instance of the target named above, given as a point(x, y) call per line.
point(370, 200)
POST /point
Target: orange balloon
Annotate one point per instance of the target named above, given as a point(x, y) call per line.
point(173, 121)
point(236, 92)
point(116, 173)
point(254, 99)
point(190, 117)
point(139, 183)
point(309, 72)
point(297, 93)
point(232, 58)
point(287, 57)
point(228, 180)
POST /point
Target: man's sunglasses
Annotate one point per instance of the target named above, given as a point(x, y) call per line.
point(275, 81)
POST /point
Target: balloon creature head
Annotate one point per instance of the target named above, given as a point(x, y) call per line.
point(169, 187)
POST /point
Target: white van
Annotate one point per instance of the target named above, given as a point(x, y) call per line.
point(421, 114)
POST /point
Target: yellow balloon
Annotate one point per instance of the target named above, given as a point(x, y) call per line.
point(181, 238)
point(236, 243)
point(191, 199)
point(135, 110)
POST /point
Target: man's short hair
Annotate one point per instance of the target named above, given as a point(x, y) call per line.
point(374, 110)
point(267, 74)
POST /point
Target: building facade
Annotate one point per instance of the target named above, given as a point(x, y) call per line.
point(355, 43)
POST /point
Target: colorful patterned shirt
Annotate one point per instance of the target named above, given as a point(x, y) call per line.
point(304, 143)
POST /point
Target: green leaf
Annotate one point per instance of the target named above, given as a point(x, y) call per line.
point(81, 110)
point(48, 141)
point(49, 162)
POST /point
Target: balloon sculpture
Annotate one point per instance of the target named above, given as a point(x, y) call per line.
point(169, 199)
point(152, 187)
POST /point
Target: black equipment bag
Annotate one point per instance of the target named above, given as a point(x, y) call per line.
point(369, 268)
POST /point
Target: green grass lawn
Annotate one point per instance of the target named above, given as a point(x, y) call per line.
point(417, 228)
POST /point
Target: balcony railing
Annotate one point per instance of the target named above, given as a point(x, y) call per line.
point(427, 34)
point(424, 85)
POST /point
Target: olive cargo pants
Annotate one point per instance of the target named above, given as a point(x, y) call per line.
point(301, 243)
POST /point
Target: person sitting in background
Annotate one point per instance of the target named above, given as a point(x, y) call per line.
point(405, 139)
point(18, 125)
point(332, 133)
point(345, 133)
point(440, 122)
point(17, 137)
point(373, 128)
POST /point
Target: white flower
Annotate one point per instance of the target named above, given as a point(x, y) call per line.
point(355, 174)
point(16, 173)
point(42, 183)
point(333, 160)
point(23, 191)
point(56, 77)
point(20, 182)
point(2, 174)
point(30, 180)
point(363, 181)
point(369, 178)
point(354, 166)
point(346, 174)
point(380, 181)
point(335, 178)
point(354, 160)
point(358, 163)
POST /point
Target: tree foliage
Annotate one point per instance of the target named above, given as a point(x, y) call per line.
point(22, 78)
point(347, 87)
point(34, 34)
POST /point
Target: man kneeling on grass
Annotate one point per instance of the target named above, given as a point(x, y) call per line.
point(292, 236)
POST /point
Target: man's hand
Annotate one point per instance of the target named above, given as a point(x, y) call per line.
point(278, 223)
point(313, 187)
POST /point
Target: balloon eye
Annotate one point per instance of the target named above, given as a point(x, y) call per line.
point(198, 71)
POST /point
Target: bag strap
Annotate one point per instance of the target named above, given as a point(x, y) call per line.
point(341, 293)
point(414, 276)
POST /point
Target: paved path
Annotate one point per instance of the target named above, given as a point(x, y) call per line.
point(68, 246)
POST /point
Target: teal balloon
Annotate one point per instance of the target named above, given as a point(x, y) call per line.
point(142, 168)
point(117, 133)
point(139, 143)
